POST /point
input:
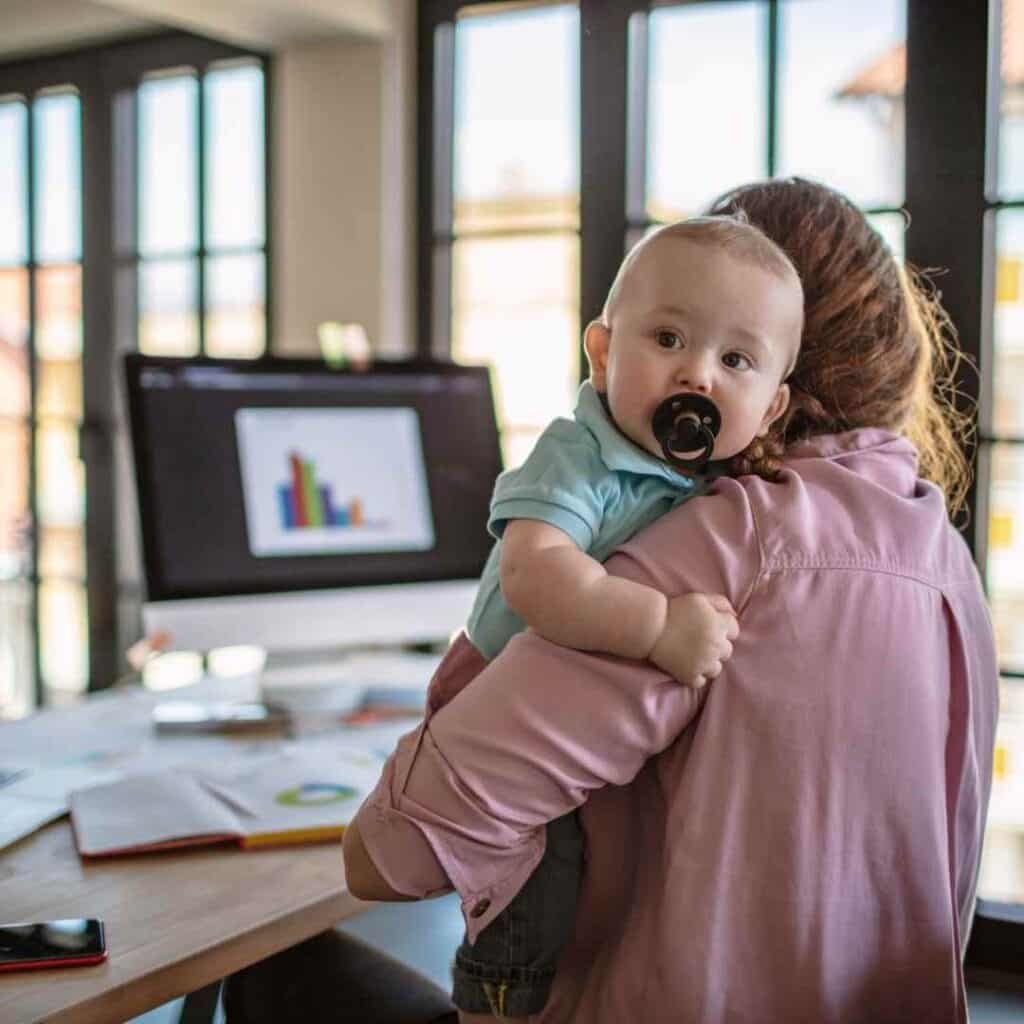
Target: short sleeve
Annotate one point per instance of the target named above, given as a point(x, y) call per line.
point(563, 482)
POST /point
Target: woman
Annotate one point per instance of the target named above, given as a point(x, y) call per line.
point(801, 839)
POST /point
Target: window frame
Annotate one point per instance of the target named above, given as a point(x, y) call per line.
point(950, 113)
point(99, 72)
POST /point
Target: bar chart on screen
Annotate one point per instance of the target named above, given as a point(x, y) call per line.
point(305, 503)
point(314, 481)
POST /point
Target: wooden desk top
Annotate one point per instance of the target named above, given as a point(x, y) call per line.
point(174, 921)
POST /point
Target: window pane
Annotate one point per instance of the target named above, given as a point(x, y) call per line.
point(706, 105)
point(60, 483)
point(1002, 860)
point(62, 551)
point(235, 298)
point(168, 323)
point(1011, 122)
point(234, 157)
point(13, 222)
point(893, 228)
point(843, 68)
point(58, 178)
point(15, 553)
point(167, 165)
point(17, 673)
point(1006, 552)
point(63, 635)
point(515, 305)
point(1008, 357)
point(14, 385)
point(59, 342)
point(516, 150)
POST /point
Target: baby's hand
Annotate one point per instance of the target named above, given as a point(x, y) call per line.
point(697, 638)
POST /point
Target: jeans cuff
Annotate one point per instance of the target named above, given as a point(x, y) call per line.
point(505, 991)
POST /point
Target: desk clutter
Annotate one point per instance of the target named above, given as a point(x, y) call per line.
point(297, 796)
point(147, 783)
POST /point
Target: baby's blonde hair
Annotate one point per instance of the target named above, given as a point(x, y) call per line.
point(733, 233)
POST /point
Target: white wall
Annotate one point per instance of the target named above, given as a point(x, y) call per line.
point(344, 171)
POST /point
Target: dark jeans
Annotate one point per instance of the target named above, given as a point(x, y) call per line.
point(334, 978)
point(509, 969)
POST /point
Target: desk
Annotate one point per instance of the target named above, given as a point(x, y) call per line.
point(175, 921)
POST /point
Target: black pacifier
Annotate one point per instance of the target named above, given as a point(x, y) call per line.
point(684, 424)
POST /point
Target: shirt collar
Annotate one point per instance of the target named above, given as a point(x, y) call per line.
point(617, 451)
point(865, 439)
point(888, 458)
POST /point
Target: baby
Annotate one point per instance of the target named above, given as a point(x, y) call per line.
point(688, 364)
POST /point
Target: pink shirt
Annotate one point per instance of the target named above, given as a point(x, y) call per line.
point(799, 841)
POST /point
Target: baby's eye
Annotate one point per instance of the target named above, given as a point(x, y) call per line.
point(737, 361)
point(668, 339)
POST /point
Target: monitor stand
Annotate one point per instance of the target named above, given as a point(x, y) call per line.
point(317, 620)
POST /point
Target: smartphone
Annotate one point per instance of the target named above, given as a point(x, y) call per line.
point(182, 716)
point(74, 942)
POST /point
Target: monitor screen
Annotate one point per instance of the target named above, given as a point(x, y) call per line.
point(284, 475)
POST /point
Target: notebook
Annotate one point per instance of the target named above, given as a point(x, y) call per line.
point(286, 798)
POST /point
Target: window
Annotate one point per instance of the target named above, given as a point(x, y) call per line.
point(506, 226)
point(1001, 453)
point(132, 214)
point(796, 88)
point(504, 257)
point(886, 99)
point(42, 502)
point(190, 244)
point(198, 247)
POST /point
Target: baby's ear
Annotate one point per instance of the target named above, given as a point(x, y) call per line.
point(778, 406)
point(596, 341)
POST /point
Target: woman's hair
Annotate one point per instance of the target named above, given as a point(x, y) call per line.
point(878, 349)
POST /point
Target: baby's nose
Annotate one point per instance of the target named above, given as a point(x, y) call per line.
point(695, 374)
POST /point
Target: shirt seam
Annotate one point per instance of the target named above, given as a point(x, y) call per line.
point(492, 889)
point(866, 566)
point(761, 560)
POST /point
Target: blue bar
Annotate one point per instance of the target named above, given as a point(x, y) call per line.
point(327, 505)
point(284, 495)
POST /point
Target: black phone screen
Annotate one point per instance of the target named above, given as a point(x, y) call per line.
point(69, 939)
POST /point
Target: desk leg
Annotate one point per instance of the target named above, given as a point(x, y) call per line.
point(201, 1005)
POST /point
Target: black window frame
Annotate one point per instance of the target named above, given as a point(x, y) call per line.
point(98, 73)
point(950, 110)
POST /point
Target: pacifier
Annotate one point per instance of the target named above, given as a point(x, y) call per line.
point(686, 426)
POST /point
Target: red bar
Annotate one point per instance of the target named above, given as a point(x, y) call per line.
point(298, 491)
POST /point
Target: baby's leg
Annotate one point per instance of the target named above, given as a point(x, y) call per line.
point(507, 973)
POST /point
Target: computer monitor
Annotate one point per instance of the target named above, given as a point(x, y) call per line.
point(290, 505)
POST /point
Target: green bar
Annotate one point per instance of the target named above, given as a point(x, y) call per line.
point(314, 505)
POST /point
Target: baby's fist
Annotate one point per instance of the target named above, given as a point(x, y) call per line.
point(697, 638)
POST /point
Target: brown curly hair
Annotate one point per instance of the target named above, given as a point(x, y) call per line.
point(878, 349)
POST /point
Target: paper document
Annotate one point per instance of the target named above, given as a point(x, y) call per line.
point(20, 818)
point(291, 797)
point(33, 796)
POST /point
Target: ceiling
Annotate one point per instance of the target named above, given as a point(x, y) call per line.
point(29, 27)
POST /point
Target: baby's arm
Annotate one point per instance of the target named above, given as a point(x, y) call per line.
point(567, 597)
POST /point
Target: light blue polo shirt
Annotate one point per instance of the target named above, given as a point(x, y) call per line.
point(590, 481)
